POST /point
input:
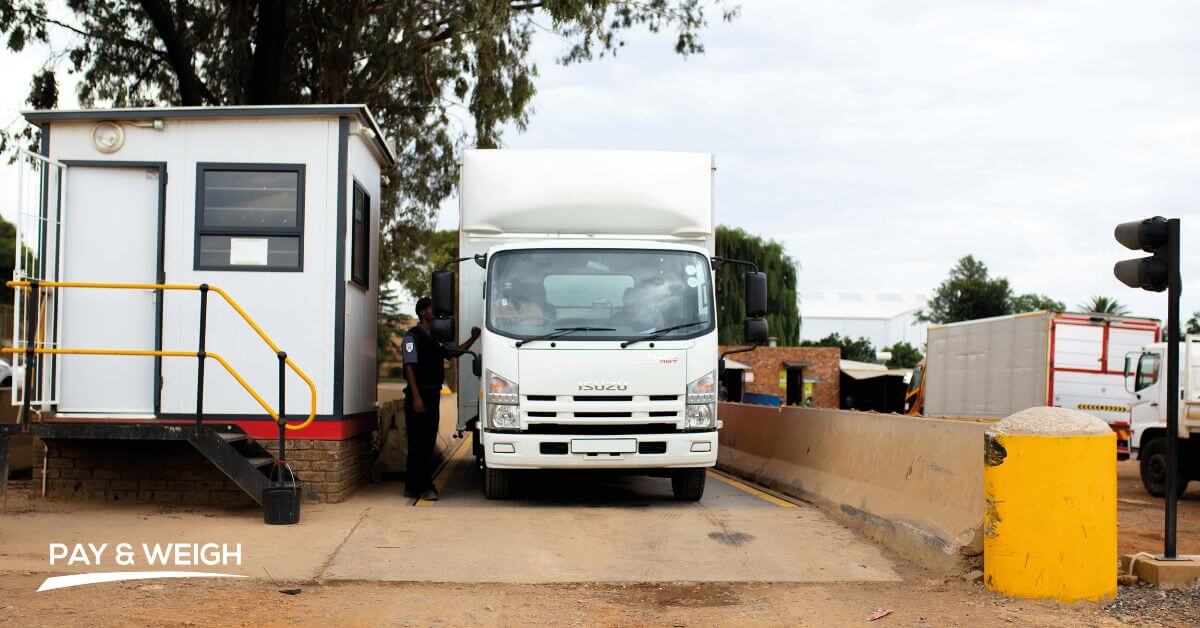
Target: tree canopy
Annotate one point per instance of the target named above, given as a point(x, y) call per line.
point(904, 355)
point(971, 292)
point(968, 293)
point(1103, 305)
point(1036, 302)
point(859, 350)
point(439, 74)
point(783, 312)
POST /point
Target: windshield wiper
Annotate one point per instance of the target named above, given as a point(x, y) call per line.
point(561, 331)
point(660, 332)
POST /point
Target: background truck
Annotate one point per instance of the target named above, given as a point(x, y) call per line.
point(1147, 382)
point(592, 283)
point(993, 367)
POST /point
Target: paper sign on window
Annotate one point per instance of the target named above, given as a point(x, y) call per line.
point(248, 251)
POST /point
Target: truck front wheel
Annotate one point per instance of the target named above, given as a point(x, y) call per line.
point(1152, 461)
point(497, 483)
point(688, 484)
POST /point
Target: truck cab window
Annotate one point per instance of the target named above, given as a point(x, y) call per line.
point(1147, 372)
point(533, 292)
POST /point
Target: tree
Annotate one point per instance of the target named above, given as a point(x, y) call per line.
point(1103, 305)
point(1035, 302)
point(439, 74)
point(433, 252)
point(389, 325)
point(904, 355)
point(859, 350)
point(1193, 324)
point(8, 254)
point(783, 312)
point(968, 293)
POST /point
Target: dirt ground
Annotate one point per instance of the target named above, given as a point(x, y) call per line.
point(921, 599)
point(1140, 516)
point(920, 602)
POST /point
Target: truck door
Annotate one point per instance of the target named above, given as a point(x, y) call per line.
point(1145, 407)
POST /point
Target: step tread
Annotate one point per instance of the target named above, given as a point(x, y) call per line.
point(261, 461)
point(233, 437)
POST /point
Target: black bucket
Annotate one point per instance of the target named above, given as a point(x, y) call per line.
point(281, 504)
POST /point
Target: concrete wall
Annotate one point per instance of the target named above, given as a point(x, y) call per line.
point(915, 484)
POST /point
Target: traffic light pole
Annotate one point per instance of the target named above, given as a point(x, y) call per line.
point(1174, 287)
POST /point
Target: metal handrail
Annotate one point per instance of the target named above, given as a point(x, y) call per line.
point(201, 354)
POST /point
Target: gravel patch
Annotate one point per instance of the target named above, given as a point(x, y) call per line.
point(1050, 421)
point(1144, 604)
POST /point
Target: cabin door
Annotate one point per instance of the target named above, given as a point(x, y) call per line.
point(110, 235)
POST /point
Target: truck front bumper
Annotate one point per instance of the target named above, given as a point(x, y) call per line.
point(504, 450)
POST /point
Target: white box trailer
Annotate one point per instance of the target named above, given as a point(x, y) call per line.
point(594, 294)
point(993, 367)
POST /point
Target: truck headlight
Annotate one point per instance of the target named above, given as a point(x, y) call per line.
point(703, 390)
point(504, 417)
point(701, 403)
point(699, 416)
point(502, 399)
point(500, 390)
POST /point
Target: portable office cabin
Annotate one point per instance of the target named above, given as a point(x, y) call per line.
point(278, 206)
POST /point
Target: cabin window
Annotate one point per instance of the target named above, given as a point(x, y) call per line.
point(360, 246)
point(250, 217)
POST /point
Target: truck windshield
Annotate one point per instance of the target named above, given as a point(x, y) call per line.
point(629, 292)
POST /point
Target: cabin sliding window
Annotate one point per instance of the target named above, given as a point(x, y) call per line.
point(360, 233)
point(249, 217)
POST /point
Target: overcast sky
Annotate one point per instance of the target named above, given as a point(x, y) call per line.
point(880, 142)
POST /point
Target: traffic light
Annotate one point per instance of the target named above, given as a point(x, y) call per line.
point(1160, 237)
point(1148, 273)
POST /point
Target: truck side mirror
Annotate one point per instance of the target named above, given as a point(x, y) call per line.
point(442, 329)
point(443, 293)
point(1130, 365)
point(756, 295)
point(756, 331)
point(476, 368)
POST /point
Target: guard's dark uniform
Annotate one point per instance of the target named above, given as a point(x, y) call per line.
point(428, 360)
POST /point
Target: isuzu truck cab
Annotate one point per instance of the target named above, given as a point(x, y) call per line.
point(1146, 381)
point(591, 275)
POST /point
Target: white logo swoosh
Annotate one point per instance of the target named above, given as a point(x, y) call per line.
point(75, 580)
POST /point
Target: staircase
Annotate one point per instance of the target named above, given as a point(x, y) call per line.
point(238, 456)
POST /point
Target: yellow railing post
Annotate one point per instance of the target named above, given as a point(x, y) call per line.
point(193, 354)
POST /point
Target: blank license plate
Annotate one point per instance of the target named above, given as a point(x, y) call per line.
point(604, 446)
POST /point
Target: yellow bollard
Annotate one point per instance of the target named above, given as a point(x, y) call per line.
point(1050, 526)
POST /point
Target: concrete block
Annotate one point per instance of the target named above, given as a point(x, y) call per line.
point(1165, 574)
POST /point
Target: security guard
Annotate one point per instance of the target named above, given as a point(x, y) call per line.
point(424, 369)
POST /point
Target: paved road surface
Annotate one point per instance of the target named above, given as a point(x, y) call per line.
point(580, 528)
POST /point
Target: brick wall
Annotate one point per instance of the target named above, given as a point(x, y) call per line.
point(166, 472)
point(330, 469)
point(174, 472)
point(767, 362)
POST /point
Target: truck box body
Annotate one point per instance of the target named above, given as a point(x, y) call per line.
point(993, 367)
point(581, 234)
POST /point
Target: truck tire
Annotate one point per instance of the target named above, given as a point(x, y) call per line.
point(497, 483)
point(1152, 466)
point(688, 484)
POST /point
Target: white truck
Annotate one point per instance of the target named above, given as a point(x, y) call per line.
point(993, 367)
point(1147, 382)
point(592, 283)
